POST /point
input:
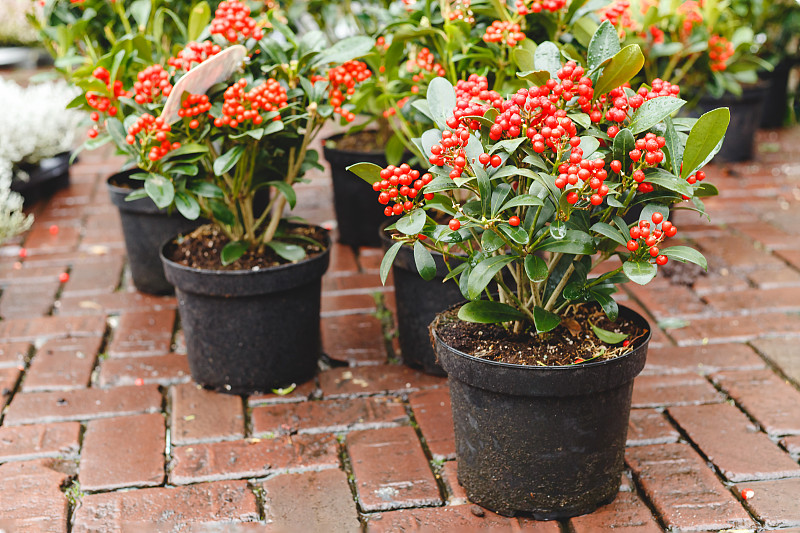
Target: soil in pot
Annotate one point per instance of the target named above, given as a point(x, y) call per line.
point(252, 326)
point(358, 213)
point(546, 441)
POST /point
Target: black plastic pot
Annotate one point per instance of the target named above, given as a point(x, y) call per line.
point(146, 228)
point(776, 102)
point(358, 213)
point(746, 113)
point(44, 178)
point(543, 441)
point(418, 302)
point(250, 331)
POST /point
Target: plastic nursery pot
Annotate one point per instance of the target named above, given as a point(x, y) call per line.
point(44, 178)
point(746, 113)
point(145, 228)
point(358, 213)
point(776, 102)
point(250, 331)
point(418, 302)
point(543, 441)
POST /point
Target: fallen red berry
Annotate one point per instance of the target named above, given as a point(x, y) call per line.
point(23, 253)
point(63, 277)
point(53, 230)
point(748, 494)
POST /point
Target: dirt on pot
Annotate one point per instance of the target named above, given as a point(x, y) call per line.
point(570, 343)
point(201, 249)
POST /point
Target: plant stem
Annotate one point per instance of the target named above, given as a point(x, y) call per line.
point(560, 287)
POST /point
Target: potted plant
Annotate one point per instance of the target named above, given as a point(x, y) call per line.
point(709, 51)
point(13, 220)
point(17, 35)
point(36, 136)
point(231, 118)
point(535, 186)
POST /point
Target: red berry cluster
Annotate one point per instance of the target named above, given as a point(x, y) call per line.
point(460, 10)
point(400, 185)
point(621, 103)
point(720, 50)
point(503, 31)
point(694, 178)
point(526, 7)
point(151, 82)
point(392, 111)
point(644, 237)
point(240, 106)
point(425, 62)
point(588, 175)
point(473, 98)
point(155, 129)
point(192, 106)
point(619, 15)
point(650, 147)
point(104, 104)
point(343, 81)
point(232, 20)
point(194, 54)
point(692, 16)
point(450, 151)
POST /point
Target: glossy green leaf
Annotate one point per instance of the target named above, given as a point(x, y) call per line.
point(198, 20)
point(604, 45)
point(232, 251)
point(369, 172)
point(499, 195)
point(516, 234)
point(286, 190)
point(185, 151)
point(673, 147)
point(685, 254)
point(623, 66)
point(535, 268)
point(456, 271)
point(652, 112)
point(205, 189)
point(545, 320)
point(441, 100)
point(608, 337)
point(706, 134)
point(574, 242)
point(220, 212)
point(547, 57)
point(412, 223)
point(160, 189)
point(491, 241)
point(523, 59)
point(426, 266)
point(536, 77)
point(608, 304)
point(624, 142)
point(187, 205)
point(140, 10)
point(228, 160)
point(345, 50)
point(706, 189)
point(640, 272)
point(589, 145)
point(394, 150)
point(665, 179)
point(440, 184)
point(388, 259)
point(522, 199)
point(609, 231)
point(290, 252)
point(484, 272)
point(486, 312)
point(138, 194)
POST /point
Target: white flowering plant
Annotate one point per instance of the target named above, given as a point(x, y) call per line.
point(15, 25)
point(12, 220)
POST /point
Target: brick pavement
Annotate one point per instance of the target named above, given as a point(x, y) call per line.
point(103, 430)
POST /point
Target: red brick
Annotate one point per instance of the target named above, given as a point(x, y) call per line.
point(701, 359)
point(673, 301)
point(62, 364)
point(675, 389)
point(737, 253)
point(792, 444)
point(300, 393)
point(311, 501)
point(353, 338)
point(40, 240)
point(29, 300)
point(343, 260)
point(736, 329)
point(114, 303)
point(111, 459)
point(86, 404)
point(773, 279)
point(648, 426)
point(772, 402)
point(32, 498)
point(375, 379)
point(391, 470)
point(790, 256)
point(8, 382)
point(199, 415)
point(160, 369)
point(657, 336)
point(756, 300)
point(142, 333)
point(357, 283)
point(456, 495)
point(683, 490)
point(167, 509)
point(458, 518)
point(94, 277)
point(14, 354)
point(22, 443)
point(29, 273)
point(52, 327)
point(783, 353)
point(252, 458)
point(729, 440)
point(434, 416)
point(717, 282)
point(327, 416)
point(626, 513)
point(775, 503)
point(369, 259)
point(347, 304)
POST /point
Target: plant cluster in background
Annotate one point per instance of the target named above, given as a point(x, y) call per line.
point(15, 27)
point(12, 220)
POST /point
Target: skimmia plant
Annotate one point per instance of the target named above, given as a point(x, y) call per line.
point(537, 186)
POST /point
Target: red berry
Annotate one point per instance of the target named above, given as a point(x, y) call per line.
point(63, 277)
point(23, 253)
point(496, 161)
point(633, 246)
point(53, 229)
point(653, 251)
point(514, 221)
point(748, 494)
point(661, 260)
point(657, 217)
point(454, 224)
point(484, 159)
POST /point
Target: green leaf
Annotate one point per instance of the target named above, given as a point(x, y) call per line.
point(228, 160)
point(522, 199)
point(608, 304)
point(491, 241)
point(608, 337)
point(426, 266)
point(536, 77)
point(574, 242)
point(523, 59)
point(345, 50)
point(140, 10)
point(369, 172)
point(685, 254)
point(705, 189)
point(623, 66)
point(186, 150)
point(286, 190)
point(187, 205)
point(604, 45)
point(394, 150)
point(649, 209)
point(624, 142)
point(486, 312)
point(640, 272)
point(441, 100)
point(652, 112)
point(547, 57)
point(440, 184)
point(484, 272)
point(499, 195)
point(290, 252)
point(545, 320)
point(205, 189)
point(609, 231)
point(232, 251)
point(388, 259)
point(673, 147)
point(138, 194)
point(160, 189)
point(667, 180)
point(516, 234)
point(535, 268)
point(198, 20)
point(589, 145)
point(707, 132)
point(412, 223)
point(220, 212)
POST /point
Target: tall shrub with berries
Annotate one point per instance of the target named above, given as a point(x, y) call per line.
point(537, 186)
